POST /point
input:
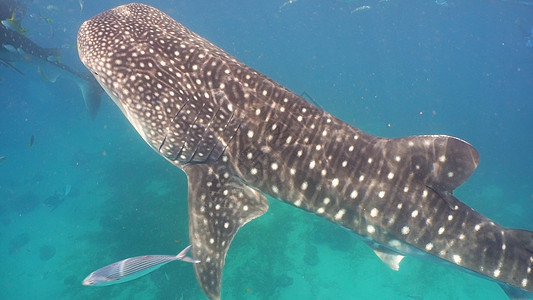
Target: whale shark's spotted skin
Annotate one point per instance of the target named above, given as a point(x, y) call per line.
point(239, 135)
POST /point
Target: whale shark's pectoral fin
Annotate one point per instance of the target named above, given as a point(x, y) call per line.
point(219, 204)
point(389, 257)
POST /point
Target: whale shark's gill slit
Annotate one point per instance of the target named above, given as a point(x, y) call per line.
point(177, 156)
point(209, 138)
point(193, 127)
point(175, 121)
point(230, 139)
point(162, 143)
point(179, 111)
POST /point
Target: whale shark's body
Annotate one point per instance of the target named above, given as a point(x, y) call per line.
point(238, 135)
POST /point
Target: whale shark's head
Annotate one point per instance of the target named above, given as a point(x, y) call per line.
point(155, 71)
point(126, 64)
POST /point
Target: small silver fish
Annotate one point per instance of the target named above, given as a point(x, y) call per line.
point(133, 268)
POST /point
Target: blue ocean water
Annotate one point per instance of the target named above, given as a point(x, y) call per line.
point(392, 68)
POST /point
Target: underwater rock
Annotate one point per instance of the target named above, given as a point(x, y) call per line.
point(53, 201)
point(46, 252)
point(311, 255)
point(284, 281)
point(16, 243)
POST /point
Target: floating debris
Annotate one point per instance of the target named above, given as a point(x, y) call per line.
point(2, 158)
point(32, 140)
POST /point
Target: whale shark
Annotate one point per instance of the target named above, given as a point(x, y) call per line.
point(239, 136)
point(26, 57)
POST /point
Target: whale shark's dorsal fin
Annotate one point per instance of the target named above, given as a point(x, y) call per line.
point(219, 204)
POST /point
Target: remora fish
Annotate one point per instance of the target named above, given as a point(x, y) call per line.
point(133, 268)
point(239, 135)
point(13, 25)
point(24, 56)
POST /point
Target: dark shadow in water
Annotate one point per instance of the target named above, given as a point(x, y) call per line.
point(18, 242)
point(46, 252)
point(334, 236)
point(23, 204)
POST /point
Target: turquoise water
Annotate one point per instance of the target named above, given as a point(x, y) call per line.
point(397, 68)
